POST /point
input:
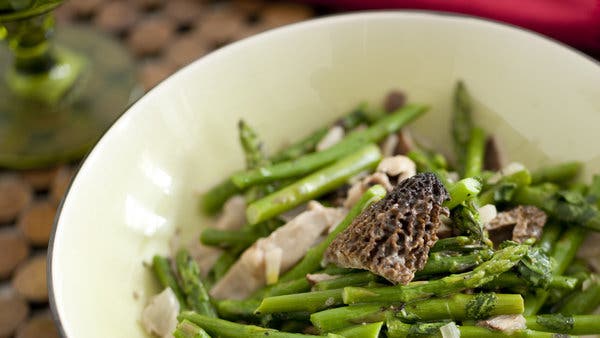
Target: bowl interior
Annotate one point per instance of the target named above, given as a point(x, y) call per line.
point(142, 180)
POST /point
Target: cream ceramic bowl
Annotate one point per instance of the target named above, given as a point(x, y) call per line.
point(142, 179)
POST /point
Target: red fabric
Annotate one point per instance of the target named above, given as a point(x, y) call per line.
point(574, 22)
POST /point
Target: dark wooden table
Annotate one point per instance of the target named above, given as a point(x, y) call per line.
point(163, 35)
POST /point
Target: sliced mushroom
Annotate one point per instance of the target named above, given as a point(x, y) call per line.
point(405, 142)
point(159, 317)
point(392, 237)
point(398, 166)
point(359, 188)
point(505, 323)
point(314, 278)
point(294, 239)
point(333, 136)
point(234, 214)
point(518, 224)
point(388, 147)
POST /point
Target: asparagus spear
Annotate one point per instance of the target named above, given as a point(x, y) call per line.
point(502, 261)
point(584, 301)
point(550, 235)
point(456, 307)
point(224, 262)
point(563, 253)
point(187, 329)
point(308, 144)
point(191, 282)
point(308, 163)
point(457, 244)
point(462, 122)
point(566, 206)
point(362, 331)
point(351, 279)
point(579, 325)
point(509, 280)
point(300, 148)
point(504, 190)
point(314, 185)
point(298, 302)
point(461, 191)
point(252, 146)
point(593, 193)
point(226, 329)
point(425, 163)
point(212, 201)
point(229, 238)
point(438, 264)
point(398, 329)
point(346, 316)
point(312, 260)
point(237, 309)
point(166, 277)
point(473, 161)
point(558, 173)
point(462, 307)
point(465, 217)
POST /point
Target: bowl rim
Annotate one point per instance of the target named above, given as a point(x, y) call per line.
point(327, 19)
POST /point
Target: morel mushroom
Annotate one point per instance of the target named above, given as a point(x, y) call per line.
point(392, 238)
point(518, 224)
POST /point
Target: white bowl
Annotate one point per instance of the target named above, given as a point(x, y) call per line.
point(141, 181)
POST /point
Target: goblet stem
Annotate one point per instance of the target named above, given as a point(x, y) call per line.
point(39, 71)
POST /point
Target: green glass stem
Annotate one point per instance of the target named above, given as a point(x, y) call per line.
point(40, 71)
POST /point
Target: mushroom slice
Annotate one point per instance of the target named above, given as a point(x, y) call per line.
point(392, 237)
point(518, 224)
point(505, 323)
point(294, 239)
point(398, 166)
point(159, 317)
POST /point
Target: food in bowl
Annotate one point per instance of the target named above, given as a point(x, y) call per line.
point(362, 230)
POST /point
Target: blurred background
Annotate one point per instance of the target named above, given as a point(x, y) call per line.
point(164, 35)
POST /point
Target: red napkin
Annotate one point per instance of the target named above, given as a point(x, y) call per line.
point(574, 22)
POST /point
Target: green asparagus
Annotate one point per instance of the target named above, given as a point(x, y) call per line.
point(473, 162)
point(252, 146)
point(398, 329)
point(502, 261)
point(504, 190)
point(462, 191)
point(456, 307)
point(559, 173)
point(465, 218)
point(316, 184)
point(563, 253)
point(226, 329)
point(584, 301)
point(351, 279)
point(362, 331)
point(457, 244)
point(191, 283)
point(187, 329)
point(166, 277)
point(298, 302)
point(438, 264)
point(462, 121)
point(579, 325)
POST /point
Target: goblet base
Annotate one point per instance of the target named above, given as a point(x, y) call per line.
point(37, 133)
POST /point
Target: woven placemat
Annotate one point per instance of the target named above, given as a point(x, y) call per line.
point(163, 36)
